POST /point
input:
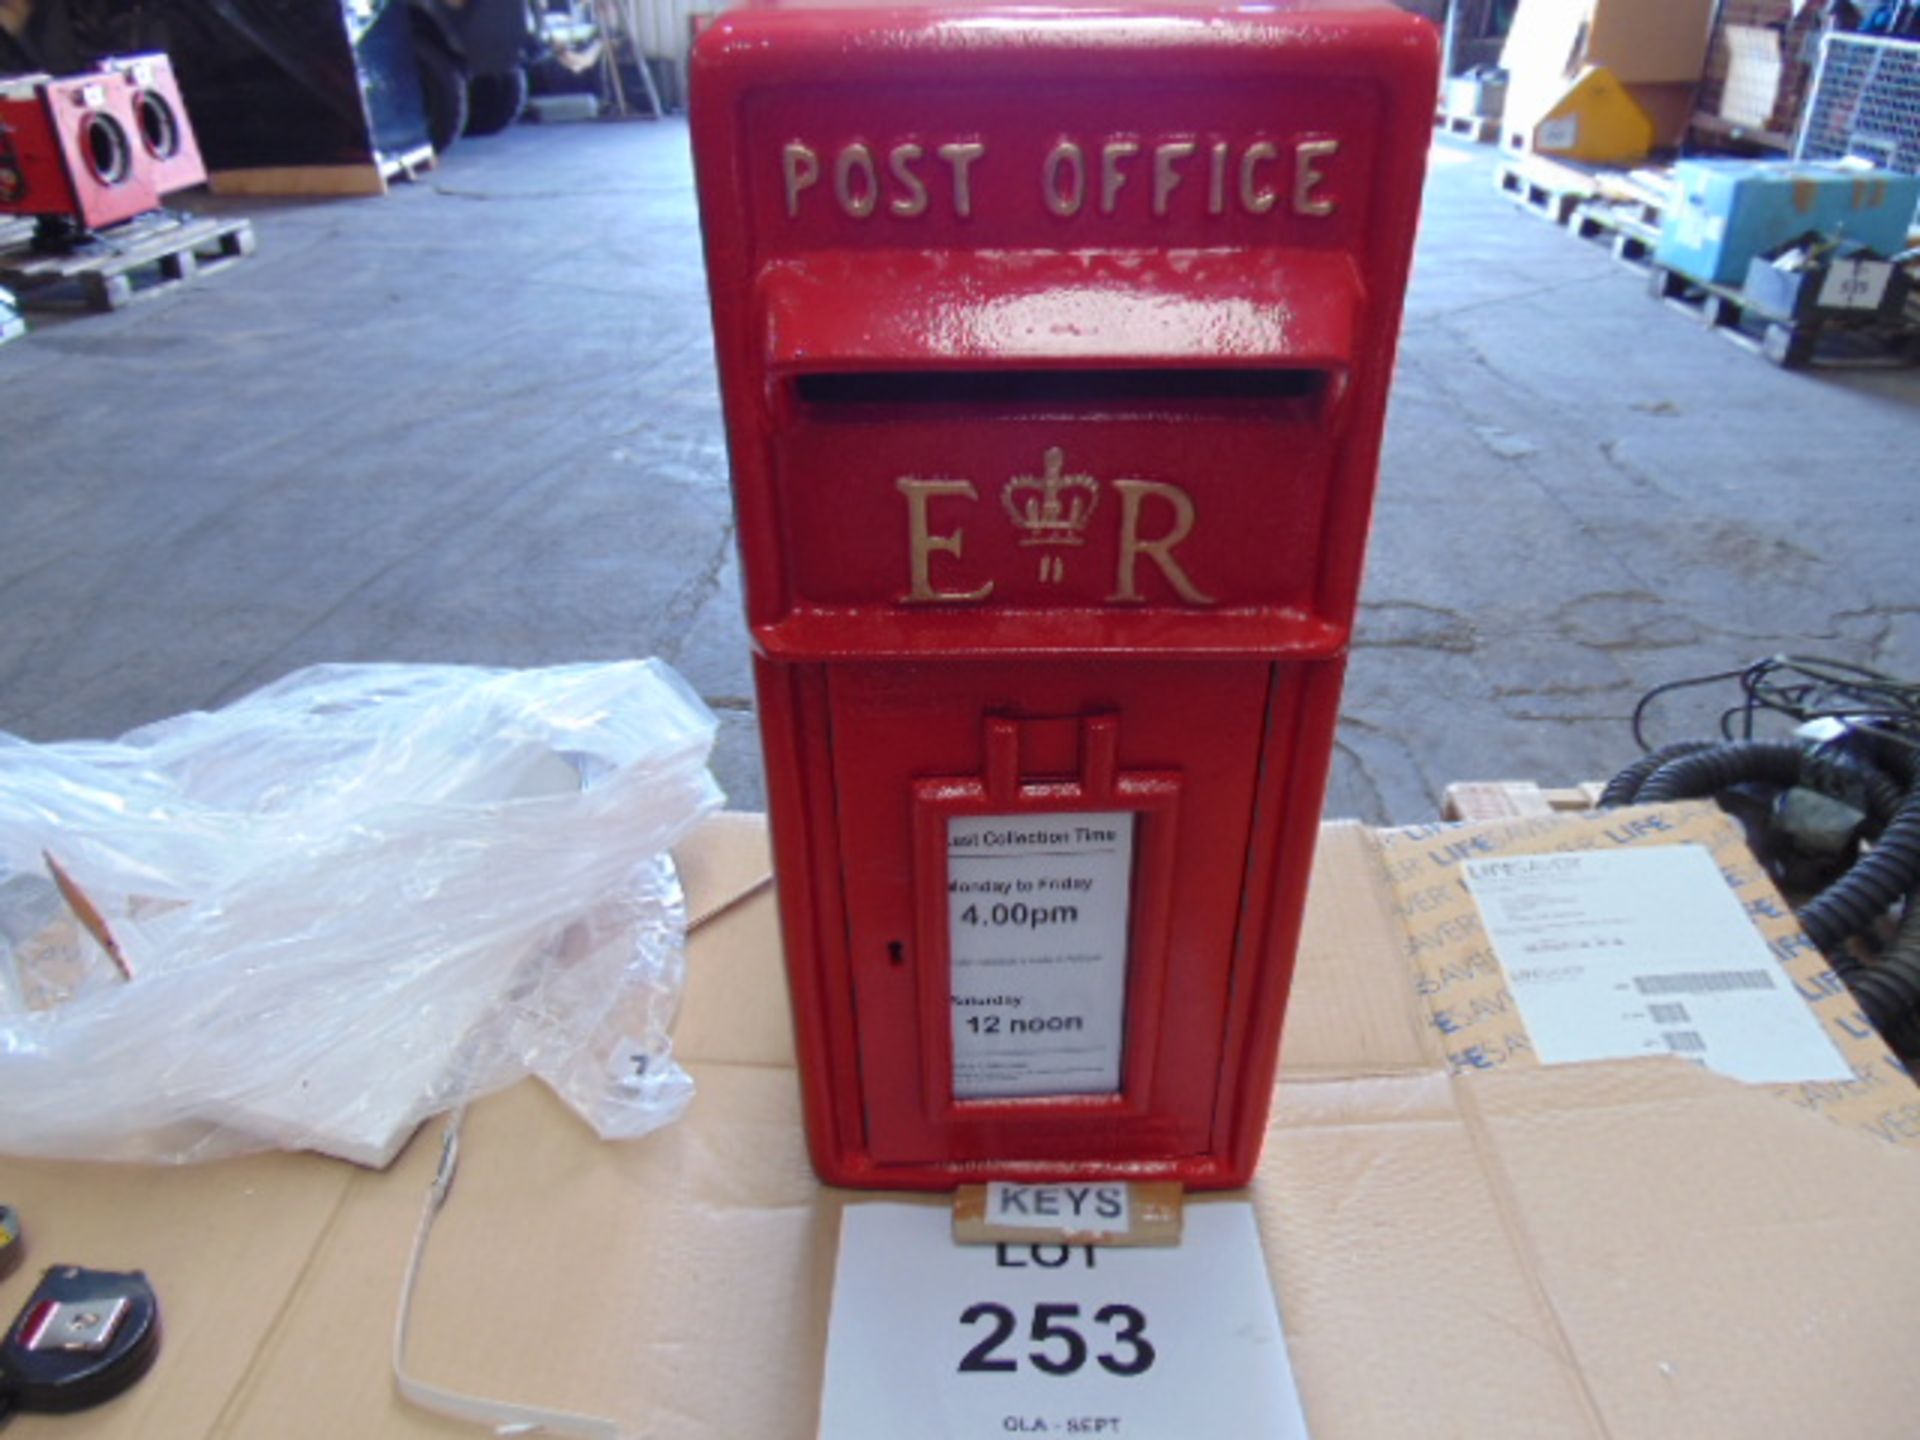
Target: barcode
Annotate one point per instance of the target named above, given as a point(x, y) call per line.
point(1683, 1042)
point(1703, 982)
point(1668, 1014)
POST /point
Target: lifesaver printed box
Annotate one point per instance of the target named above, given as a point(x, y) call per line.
point(1054, 345)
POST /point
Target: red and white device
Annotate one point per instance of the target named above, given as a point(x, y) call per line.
point(165, 132)
point(71, 147)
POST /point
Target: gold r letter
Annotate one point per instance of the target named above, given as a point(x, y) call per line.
point(921, 543)
point(1160, 550)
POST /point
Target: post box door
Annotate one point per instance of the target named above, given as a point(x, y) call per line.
point(1043, 864)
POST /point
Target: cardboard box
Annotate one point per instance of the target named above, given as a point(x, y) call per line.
point(1608, 1250)
point(1463, 987)
point(1656, 49)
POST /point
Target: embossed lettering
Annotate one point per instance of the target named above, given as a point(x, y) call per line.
point(1077, 176)
point(1159, 549)
point(1217, 179)
point(922, 543)
point(1306, 178)
point(960, 157)
point(900, 161)
point(1166, 178)
point(857, 202)
point(1065, 159)
point(1112, 177)
point(802, 169)
point(1258, 199)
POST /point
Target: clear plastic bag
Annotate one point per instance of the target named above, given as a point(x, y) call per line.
point(350, 900)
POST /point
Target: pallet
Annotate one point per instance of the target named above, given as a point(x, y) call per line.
point(129, 262)
point(1622, 226)
point(1546, 188)
point(408, 164)
point(1515, 799)
point(1780, 339)
point(12, 327)
point(1480, 129)
point(15, 230)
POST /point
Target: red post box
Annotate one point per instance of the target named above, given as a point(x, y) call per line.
point(1054, 344)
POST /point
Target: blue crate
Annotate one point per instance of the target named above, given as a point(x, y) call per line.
point(1724, 213)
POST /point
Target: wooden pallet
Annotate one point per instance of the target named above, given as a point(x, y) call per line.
point(408, 164)
point(1790, 344)
point(1544, 187)
point(15, 230)
point(1515, 799)
point(129, 262)
point(1622, 226)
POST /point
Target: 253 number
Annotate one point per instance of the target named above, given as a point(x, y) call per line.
point(1059, 1348)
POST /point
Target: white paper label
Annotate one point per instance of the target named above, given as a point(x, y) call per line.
point(1856, 284)
point(988, 1341)
point(1617, 953)
point(1089, 1209)
point(1037, 919)
point(1561, 134)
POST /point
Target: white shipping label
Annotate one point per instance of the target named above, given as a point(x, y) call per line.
point(987, 1341)
point(1037, 920)
point(1617, 953)
point(1856, 284)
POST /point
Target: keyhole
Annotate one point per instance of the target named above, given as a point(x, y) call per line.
point(896, 953)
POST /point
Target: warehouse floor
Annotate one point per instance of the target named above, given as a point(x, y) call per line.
point(476, 422)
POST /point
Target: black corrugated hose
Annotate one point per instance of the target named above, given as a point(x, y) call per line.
point(1885, 788)
point(1624, 786)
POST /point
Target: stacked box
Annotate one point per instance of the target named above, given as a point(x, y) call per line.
point(1727, 212)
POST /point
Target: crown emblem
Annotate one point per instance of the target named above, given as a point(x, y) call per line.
point(1052, 508)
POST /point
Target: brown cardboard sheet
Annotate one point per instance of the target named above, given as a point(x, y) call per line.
point(1635, 1249)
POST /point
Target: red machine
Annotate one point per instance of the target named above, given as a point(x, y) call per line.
point(1055, 345)
point(166, 134)
point(71, 148)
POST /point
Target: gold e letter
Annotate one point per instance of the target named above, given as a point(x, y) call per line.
point(1158, 550)
point(922, 543)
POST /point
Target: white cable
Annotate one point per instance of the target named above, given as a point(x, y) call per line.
point(504, 1417)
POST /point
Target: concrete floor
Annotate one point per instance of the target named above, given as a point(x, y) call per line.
point(476, 422)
